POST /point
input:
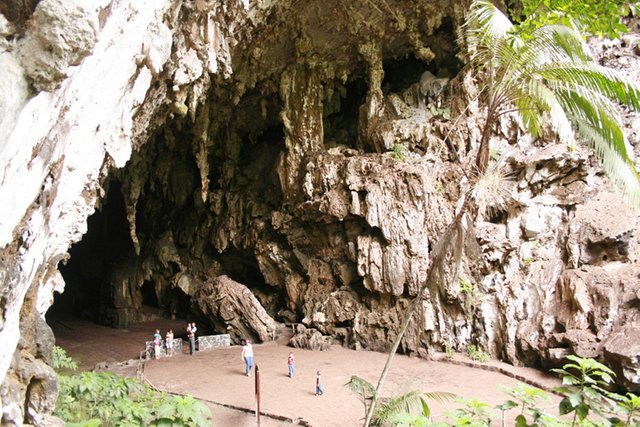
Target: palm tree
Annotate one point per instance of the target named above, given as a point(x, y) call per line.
point(549, 75)
point(546, 76)
point(399, 404)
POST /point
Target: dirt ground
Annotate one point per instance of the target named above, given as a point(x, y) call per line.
point(217, 376)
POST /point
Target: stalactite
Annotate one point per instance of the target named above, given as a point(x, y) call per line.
point(201, 145)
point(302, 96)
point(373, 106)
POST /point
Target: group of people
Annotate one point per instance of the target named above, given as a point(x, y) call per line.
point(247, 353)
point(247, 356)
point(168, 341)
point(157, 343)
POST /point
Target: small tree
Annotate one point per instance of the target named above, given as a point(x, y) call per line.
point(583, 387)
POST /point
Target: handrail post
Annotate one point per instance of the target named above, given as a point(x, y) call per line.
point(258, 394)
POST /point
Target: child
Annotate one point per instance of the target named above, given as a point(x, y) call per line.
point(319, 387)
point(169, 342)
point(292, 364)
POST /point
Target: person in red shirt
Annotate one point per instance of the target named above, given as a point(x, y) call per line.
point(292, 364)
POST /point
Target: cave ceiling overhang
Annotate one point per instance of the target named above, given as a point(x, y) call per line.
point(334, 37)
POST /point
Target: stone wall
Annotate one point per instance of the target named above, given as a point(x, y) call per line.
point(213, 341)
point(205, 342)
point(177, 347)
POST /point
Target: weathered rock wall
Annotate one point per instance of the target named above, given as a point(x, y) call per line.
point(268, 142)
point(103, 75)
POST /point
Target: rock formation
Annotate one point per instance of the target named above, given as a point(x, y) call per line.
point(230, 306)
point(195, 148)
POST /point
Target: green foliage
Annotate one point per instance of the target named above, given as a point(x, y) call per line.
point(362, 388)
point(583, 388)
point(471, 295)
point(399, 152)
point(594, 17)
point(477, 354)
point(91, 399)
point(474, 413)
point(628, 406)
point(526, 398)
point(398, 406)
point(467, 287)
point(550, 76)
point(445, 112)
point(182, 411)
point(583, 392)
point(61, 360)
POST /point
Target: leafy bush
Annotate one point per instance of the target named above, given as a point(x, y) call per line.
point(90, 399)
point(584, 395)
point(583, 383)
point(61, 360)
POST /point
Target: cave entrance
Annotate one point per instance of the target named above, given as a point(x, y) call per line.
point(86, 273)
point(92, 265)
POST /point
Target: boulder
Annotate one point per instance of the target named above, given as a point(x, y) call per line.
point(310, 339)
point(230, 307)
point(622, 354)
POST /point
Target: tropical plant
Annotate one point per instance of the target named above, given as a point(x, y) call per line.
point(629, 406)
point(477, 354)
point(449, 351)
point(90, 399)
point(584, 382)
point(61, 360)
point(526, 398)
point(399, 152)
point(553, 78)
point(182, 411)
point(474, 413)
point(390, 408)
point(362, 388)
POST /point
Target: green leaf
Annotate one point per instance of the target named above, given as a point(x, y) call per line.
point(565, 406)
point(521, 421)
point(509, 404)
point(583, 411)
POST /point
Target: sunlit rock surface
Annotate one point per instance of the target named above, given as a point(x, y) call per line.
point(270, 155)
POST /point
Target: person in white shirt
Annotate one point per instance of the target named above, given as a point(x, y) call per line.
point(247, 356)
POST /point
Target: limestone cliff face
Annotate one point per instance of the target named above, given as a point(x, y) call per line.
point(274, 147)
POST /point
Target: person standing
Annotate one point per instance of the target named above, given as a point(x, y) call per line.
point(247, 356)
point(319, 386)
point(157, 338)
point(191, 333)
point(291, 362)
point(169, 342)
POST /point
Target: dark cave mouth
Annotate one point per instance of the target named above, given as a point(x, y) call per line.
point(94, 264)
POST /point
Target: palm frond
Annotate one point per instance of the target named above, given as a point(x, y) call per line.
point(487, 33)
point(594, 78)
point(619, 169)
point(486, 21)
point(412, 401)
